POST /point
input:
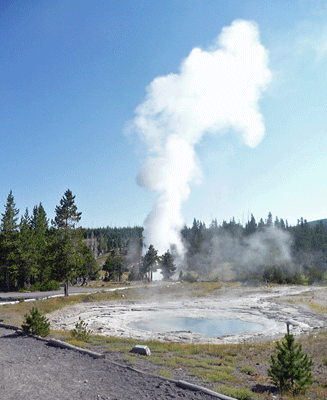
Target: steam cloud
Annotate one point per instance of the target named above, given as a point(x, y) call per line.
point(225, 256)
point(215, 90)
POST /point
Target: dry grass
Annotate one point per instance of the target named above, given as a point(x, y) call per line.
point(164, 372)
point(318, 307)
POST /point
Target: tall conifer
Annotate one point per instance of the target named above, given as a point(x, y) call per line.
point(168, 267)
point(149, 264)
point(66, 214)
point(10, 216)
point(68, 239)
point(9, 245)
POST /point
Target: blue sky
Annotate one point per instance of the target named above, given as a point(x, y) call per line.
point(72, 74)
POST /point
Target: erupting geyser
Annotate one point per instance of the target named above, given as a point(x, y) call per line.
point(215, 90)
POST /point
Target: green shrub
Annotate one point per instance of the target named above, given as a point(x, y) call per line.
point(36, 323)
point(80, 332)
point(291, 369)
point(45, 286)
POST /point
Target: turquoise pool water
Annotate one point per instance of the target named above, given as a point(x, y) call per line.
point(208, 327)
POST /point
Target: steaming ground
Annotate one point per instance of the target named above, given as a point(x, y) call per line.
point(271, 307)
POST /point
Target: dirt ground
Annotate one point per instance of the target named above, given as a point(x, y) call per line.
point(33, 370)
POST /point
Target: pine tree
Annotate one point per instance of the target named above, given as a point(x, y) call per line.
point(251, 226)
point(114, 265)
point(67, 243)
point(88, 267)
point(9, 262)
point(26, 251)
point(41, 240)
point(10, 216)
point(66, 214)
point(291, 369)
point(168, 267)
point(36, 323)
point(195, 238)
point(269, 220)
point(261, 225)
point(149, 264)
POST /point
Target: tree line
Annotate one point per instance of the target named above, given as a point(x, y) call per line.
point(38, 254)
point(252, 251)
point(124, 247)
point(115, 238)
point(269, 250)
point(115, 265)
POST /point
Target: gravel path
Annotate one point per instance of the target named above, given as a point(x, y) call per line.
point(30, 369)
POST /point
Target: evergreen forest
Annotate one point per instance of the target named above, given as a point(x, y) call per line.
point(38, 254)
point(269, 250)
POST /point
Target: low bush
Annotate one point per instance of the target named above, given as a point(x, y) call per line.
point(45, 286)
point(80, 332)
point(36, 323)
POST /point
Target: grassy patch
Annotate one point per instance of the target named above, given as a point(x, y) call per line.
point(318, 307)
point(164, 372)
point(205, 288)
point(246, 369)
point(113, 344)
point(129, 359)
point(241, 394)
point(213, 375)
point(79, 343)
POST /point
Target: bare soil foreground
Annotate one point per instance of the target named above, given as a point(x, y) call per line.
point(33, 370)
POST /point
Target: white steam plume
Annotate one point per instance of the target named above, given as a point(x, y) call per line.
point(216, 89)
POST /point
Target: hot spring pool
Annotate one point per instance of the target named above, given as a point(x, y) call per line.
point(207, 327)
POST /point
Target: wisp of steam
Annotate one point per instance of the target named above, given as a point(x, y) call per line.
point(215, 90)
